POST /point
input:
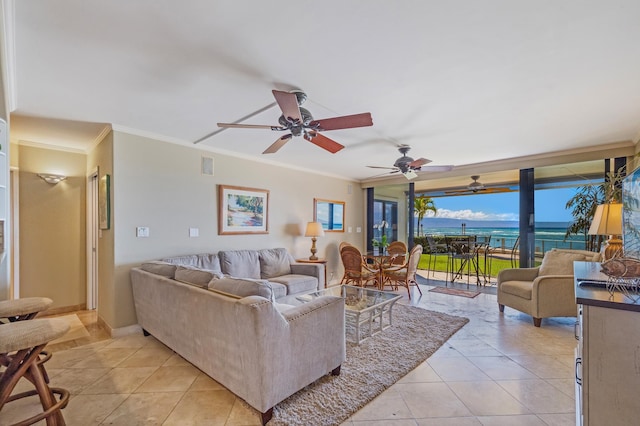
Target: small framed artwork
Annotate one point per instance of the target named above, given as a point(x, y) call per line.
point(242, 210)
point(104, 202)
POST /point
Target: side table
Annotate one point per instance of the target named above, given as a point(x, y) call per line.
point(321, 261)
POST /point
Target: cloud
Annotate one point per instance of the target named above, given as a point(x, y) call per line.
point(468, 214)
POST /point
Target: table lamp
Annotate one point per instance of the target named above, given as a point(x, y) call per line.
point(314, 230)
point(607, 220)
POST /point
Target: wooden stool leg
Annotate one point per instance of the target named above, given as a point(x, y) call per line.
point(25, 363)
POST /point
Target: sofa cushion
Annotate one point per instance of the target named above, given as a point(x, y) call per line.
point(242, 287)
point(274, 262)
point(560, 262)
point(195, 276)
point(160, 268)
point(279, 290)
point(517, 288)
point(240, 263)
point(207, 261)
point(297, 283)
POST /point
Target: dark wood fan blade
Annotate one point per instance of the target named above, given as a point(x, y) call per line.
point(419, 162)
point(250, 126)
point(343, 122)
point(323, 142)
point(288, 103)
point(278, 144)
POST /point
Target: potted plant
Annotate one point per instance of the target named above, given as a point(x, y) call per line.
point(384, 243)
point(376, 247)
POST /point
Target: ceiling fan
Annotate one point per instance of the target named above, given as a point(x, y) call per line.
point(409, 167)
point(299, 122)
point(477, 187)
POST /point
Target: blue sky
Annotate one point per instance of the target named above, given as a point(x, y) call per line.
point(550, 206)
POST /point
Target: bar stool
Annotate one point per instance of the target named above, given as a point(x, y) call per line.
point(23, 309)
point(24, 340)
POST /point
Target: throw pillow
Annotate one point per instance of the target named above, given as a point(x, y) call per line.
point(195, 276)
point(558, 262)
point(274, 262)
point(208, 261)
point(242, 287)
point(240, 263)
point(160, 268)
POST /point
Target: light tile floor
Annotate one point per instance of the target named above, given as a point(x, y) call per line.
point(498, 370)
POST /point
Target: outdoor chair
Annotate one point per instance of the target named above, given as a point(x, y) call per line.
point(356, 269)
point(404, 275)
point(435, 250)
point(545, 291)
point(515, 253)
point(462, 256)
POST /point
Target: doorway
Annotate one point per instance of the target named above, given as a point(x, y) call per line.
point(92, 240)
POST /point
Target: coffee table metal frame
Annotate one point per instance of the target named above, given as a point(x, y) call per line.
point(363, 306)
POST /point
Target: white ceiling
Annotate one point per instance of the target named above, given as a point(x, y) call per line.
point(462, 82)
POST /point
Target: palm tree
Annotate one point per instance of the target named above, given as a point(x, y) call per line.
point(421, 206)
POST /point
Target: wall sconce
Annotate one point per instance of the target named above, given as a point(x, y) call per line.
point(314, 230)
point(52, 179)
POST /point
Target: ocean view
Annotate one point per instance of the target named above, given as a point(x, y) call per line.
point(503, 235)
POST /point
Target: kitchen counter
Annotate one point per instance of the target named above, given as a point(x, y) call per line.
point(598, 296)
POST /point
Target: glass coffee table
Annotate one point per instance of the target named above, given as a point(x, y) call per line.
point(363, 307)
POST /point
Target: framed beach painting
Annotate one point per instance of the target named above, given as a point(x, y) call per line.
point(242, 210)
point(631, 214)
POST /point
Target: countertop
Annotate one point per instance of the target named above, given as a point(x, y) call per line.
point(595, 296)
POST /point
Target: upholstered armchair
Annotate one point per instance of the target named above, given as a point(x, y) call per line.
point(545, 291)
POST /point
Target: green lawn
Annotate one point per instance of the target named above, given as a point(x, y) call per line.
point(497, 264)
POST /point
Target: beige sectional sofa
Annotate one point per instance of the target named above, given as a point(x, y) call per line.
point(233, 329)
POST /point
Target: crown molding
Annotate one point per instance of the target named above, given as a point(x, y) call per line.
point(33, 144)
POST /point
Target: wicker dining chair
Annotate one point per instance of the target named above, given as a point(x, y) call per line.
point(356, 269)
point(397, 250)
point(404, 275)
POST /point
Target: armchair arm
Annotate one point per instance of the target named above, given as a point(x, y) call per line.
point(553, 295)
point(517, 274)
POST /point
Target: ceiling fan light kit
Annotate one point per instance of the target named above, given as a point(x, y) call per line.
point(299, 122)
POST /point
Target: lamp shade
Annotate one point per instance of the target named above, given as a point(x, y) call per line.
point(607, 220)
point(314, 229)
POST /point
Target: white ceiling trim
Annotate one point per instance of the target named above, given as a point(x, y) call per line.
point(33, 144)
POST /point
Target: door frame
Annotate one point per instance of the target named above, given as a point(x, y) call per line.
point(14, 243)
point(92, 239)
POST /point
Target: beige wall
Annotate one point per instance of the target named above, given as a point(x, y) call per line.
point(159, 185)
point(101, 159)
point(52, 226)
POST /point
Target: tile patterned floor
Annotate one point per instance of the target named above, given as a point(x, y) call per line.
point(498, 370)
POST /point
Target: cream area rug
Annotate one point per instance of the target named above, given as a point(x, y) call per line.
point(370, 368)
point(76, 329)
